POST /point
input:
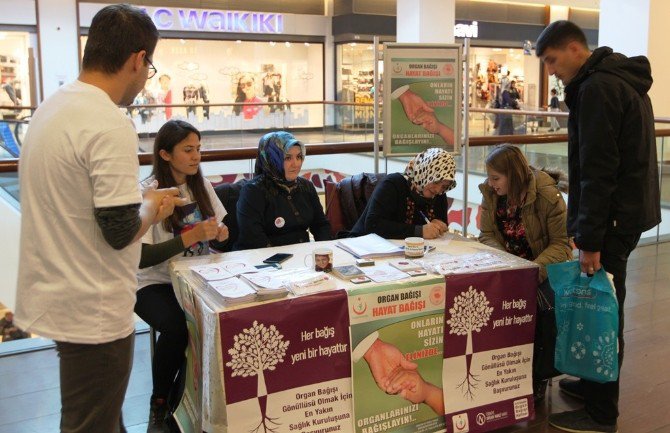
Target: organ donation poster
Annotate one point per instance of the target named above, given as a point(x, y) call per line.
point(489, 327)
point(397, 342)
point(287, 365)
point(422, 98)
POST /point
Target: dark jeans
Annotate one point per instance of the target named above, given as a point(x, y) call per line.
point(93, 382)
point(157, 305)
point(602, 399)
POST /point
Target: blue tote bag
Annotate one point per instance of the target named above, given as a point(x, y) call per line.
point(587, 321)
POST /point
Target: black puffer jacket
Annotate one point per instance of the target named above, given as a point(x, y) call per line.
point(613, 170)
point(386, 212)
point(270, 216)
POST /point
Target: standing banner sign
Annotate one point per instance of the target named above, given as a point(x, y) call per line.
point(287, 365)
point(397, 337)
point(488, 349)
point(423, 89)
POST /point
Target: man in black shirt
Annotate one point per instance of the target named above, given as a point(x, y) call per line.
point(614, 192)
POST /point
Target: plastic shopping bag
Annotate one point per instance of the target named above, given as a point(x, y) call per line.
point(587, 320)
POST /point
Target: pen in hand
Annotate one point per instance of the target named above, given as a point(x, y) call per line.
point(424, 217)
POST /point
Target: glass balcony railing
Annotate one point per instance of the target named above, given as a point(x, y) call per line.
point(340, 137)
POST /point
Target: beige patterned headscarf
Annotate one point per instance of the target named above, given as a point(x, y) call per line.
point(431, 165)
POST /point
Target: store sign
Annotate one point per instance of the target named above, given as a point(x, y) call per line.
point(203, 20)
point(463, 30)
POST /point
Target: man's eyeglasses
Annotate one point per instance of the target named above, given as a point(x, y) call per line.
point(152, 68)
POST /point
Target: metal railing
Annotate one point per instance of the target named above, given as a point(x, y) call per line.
point(543, 150)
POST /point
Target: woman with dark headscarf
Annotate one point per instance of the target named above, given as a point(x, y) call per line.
point(278, 207)
point(412, 203)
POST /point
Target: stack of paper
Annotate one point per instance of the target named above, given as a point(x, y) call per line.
point(233, 291)
point(210, 272)
point(370, 246)
point(307, 281)
point(384, 273)
point(347, 272)
point(445, 264)
point(269, 284)
point(406, 265)
point(237, 268)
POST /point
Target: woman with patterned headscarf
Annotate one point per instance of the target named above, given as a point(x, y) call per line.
point(278, 207)
point(412, 203)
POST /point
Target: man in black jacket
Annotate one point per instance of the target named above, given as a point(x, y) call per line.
point(613, 172)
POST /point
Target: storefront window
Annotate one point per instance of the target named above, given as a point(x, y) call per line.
point(14, 72)
point(494, 69)
point(355, 82)
point(200, 72)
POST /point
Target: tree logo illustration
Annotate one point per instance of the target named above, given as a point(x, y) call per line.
point(470, 313)
point(255, 350)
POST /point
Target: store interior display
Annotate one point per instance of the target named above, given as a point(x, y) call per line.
point(492, 70)
point(195, 73)
point(14, 76)
point(355, 83)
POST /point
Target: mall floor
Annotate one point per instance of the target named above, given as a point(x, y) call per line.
point(29, 388)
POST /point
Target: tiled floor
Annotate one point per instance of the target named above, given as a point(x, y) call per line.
point(29, 396)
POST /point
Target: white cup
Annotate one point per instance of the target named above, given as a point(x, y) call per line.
point(321, 259)
point(414, 247)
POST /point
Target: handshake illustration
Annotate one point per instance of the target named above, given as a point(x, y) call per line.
point(396, 375)
point(420, 113)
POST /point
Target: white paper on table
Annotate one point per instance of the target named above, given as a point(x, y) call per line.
point(383, 273)
point(211, 272)
point(233, 288)
point(271, 279)
point(446, 264)
point(237, 268)
point(309, 281)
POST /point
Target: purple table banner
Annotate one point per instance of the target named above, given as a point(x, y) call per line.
point(489, 326)
point(287, 365)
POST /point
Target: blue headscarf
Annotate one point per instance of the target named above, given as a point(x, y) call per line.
point(272, 148)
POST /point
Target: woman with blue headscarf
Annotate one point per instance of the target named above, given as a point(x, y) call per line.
point(278, 207)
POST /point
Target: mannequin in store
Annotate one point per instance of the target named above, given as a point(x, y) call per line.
point(246, 92)
point(514, 93)
point(8, 97)
point(275, 96)
point(268, 87)
point(165, 95)
point(204, 95)
point(191, 96)
point(505, 82)
point(144, 98)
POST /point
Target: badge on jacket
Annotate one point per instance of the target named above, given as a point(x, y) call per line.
point(279, 222)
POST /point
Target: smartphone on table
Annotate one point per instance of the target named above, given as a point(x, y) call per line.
point(278, 258)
